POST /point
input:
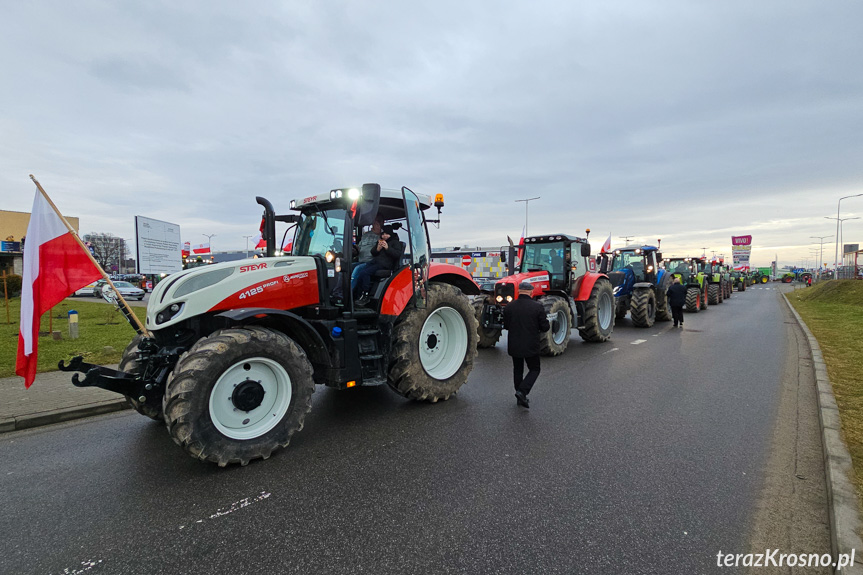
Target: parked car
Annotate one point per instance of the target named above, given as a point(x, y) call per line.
point(126, 290)
point(97, 288)
point(86, 290)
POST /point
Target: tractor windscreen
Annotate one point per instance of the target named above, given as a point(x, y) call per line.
point(320, 232)
point(678, 267)
point(543, 257)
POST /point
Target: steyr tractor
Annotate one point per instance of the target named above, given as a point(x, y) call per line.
point(696, 284)
point(640, 284)
point(558, 267)
point(233, 350)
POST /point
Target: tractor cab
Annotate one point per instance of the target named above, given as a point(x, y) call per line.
point(551, 263)
point(630, 266)
point(683, 268)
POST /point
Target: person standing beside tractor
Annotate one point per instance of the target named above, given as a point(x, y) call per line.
point(525, 319)
point(676, 300)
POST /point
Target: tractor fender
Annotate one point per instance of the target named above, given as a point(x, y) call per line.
point(292, 325)
point(584, 285)
point(643, 285)
point(400, 289)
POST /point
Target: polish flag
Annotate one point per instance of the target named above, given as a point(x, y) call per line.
point(55, 266)
point(259, 242)
point(606, 247)
point(186, 250)
point(201, 248)
point(288, 247)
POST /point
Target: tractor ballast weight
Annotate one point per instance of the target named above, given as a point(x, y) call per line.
point(640, 284)
point(235, 349)
point(564, 282)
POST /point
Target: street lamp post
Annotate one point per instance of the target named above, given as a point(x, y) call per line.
point(247, 244)
point(526, 202)
point(838, 206)
point(210, 243)
point(840, 239)
point(821, 257)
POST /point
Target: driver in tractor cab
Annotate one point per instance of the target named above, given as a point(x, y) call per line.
point(363, 251)
point(387, 256)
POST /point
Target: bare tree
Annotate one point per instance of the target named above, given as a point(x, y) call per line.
point(108, 249)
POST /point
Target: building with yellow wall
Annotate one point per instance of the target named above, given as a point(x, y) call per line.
point(13, 227)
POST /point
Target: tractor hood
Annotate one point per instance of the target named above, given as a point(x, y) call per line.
point(540, 281)
point(279, 283)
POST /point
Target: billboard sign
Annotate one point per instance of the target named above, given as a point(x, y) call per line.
point(741, 248)
point(158, 246)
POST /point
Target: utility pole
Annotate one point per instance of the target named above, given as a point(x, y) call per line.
point(838, 206)
point(704, 252)
point(626, 239)
point(821, 242)
point(526, 202)
point(841, 240)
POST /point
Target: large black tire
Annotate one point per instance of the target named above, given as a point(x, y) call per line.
point(447, 325)
point(704, 295)
point(485, 337)
point(621, 307)
point(721, 292)
point(132, 365)
point(554, 342)
point(693, 299)
point(220, 360)
point(598, 313)
point(741, 286)
point(713, 294)
point(663, 310)
point(643, 307)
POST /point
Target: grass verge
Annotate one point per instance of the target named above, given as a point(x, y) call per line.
point(103, 333)
point(833, 311)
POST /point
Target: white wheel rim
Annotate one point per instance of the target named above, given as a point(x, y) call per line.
point(443, 343)
point(237, 424)
point(562, 331)
point(606, 305)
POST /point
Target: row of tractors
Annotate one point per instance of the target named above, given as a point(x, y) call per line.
point(591, 293)
point(230, 354)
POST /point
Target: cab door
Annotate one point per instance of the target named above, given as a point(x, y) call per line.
point(419, 245)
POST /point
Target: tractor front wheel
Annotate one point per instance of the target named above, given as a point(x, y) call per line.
point(485, 337)
point(693, 299)
point(663, 310)
point(643, 307)
point(598, 313)
point(132, 365)
point(555, 340)
point(434, 347)
point(238, 395)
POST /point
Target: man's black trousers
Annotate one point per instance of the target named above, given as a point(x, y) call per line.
point(522, 383)
point(677, 314)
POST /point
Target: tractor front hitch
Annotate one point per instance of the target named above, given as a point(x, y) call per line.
point(111, 380)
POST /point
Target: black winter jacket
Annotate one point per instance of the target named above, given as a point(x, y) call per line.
point(677, 295)
point(525, 320)
point(389, 258)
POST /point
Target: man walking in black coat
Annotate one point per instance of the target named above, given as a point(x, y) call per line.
point(525, 320)
point(676, 300)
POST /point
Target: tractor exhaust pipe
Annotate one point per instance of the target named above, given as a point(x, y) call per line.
point(269, 231)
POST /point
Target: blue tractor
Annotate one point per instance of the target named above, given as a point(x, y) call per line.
point(640, 284)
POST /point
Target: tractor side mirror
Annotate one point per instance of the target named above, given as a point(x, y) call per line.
point(603, 265)
point(658, 257)
point(367, 207)
point(585, 250)
point(502, 257)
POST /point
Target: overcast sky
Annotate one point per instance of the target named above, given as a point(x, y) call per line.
point(687, 121)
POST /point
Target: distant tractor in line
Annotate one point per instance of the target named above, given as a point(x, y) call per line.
point(558, 267)
point(640, 284)
point(696, 284)
point(740, 279)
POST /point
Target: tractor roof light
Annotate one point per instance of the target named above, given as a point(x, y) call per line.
point(438, 201)
point(637, 250)
point(293, 204)
point(354, 194)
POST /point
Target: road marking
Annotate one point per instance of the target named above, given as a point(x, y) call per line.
point(638, 341)
point(237, 505)
point(612, 349)
point(657, 334)
point(85, 566)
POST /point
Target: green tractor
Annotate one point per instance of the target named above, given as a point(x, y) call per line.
point(740, 279)
point(695, 281)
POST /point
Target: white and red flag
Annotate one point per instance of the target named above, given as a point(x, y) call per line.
point(186, 250)
point(201, 249)
point(606, 247)
point(259, 242)
point(56, 264)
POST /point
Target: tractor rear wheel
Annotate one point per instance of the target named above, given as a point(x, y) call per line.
point(713, 294)
point(485, 337)
point(434, 347)
point(704, 298)
point(238, 395)
point(693, 299)
point(663, 310)
point(132, 365)
point(555, 340)
point(598, 313)
point(643, 307)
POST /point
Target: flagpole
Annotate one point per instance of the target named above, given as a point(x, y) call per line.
point(139, 327)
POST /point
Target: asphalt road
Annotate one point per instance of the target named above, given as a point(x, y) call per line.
point(646, 454)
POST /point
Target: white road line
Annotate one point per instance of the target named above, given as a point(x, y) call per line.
point(638, 341)
point(657, 334)
point(612, 349)
point(237, 505)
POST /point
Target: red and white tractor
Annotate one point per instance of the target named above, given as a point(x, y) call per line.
point(558, 267)
point(234, 350)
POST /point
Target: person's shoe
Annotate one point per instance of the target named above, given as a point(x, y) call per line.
point(522, 400)
point(675, 325)
point(363, 299)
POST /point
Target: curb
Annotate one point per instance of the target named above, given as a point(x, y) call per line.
point(843, 506)
point(60, 415)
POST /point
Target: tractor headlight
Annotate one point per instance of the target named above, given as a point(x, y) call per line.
point(169, 312)
point(353, 194)
point(293, 204)
point(330, 257)
point(509, 298)
point(649, 269)
point(499, 298)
